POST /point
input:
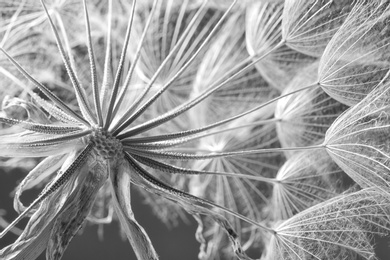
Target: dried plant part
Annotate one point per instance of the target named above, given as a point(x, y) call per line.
point(174, 36)
point(195, 206)
point(358, 140)
point(17, 108)
point(124, 128)
point(304, 180)
point(36, 234)
point(37, 177)
point(263, 32)
point(242, 195)
point(239, 94)
point(308, 26)
point(357, 58)
point(103, 141)
point(304, 117)
point(340, 228)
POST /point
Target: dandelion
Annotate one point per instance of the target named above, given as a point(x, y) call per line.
point(304, 180)
point(263, 32)
point(304, 117)
point(88, 149)
point(181, 101)
point(355, 60)
point(308, 26)
point(167, 37)
point(340, 228)
point(358, 140)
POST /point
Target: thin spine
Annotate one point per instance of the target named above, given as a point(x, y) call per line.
point(56, 140)
point(119, 71)
point(141, 109)
point(191, 103)
point(107, 73)
point(63, 178)
point(46, 91)
point(363, 24)
point(39, 128)
point(295, 29)
point(132, 67)
point(180, 170)
point(50, 108)
point(187, 134)
point(134, 63)
point(158, 145)
point(119, 127)
point(146, 126)
point(194, 205)
point(165, 27)
point(82, 101)
point(151, 180)
point(95, 87)
point(188, 156)
point(86, 111)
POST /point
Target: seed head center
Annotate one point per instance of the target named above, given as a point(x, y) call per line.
point(106, 145)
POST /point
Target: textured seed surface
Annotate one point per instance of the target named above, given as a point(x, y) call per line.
point(106, 145)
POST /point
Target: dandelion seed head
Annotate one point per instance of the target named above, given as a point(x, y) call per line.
point(344, 230)
point(309, 25)
point(196, 105)
point(107, 146)
point(352, 64)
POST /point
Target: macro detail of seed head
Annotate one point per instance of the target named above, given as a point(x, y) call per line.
point(107, 146)
point(265, 124)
